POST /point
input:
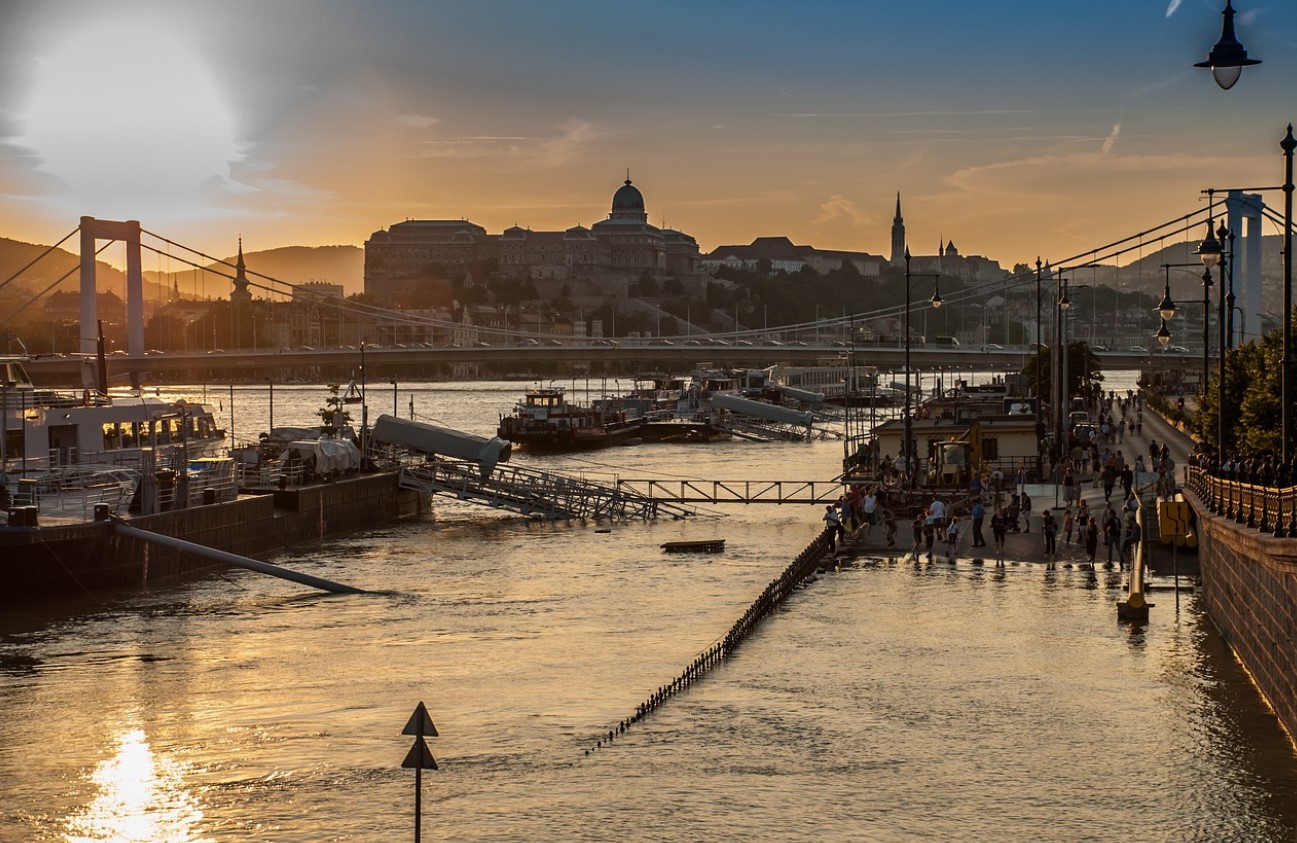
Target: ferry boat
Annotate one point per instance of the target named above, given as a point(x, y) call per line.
point(47, 431)
point(546, 420)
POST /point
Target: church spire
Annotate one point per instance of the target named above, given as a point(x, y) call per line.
point(240, 292)
point(898, 235)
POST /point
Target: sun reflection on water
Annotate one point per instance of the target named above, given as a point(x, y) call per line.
point(141, 799)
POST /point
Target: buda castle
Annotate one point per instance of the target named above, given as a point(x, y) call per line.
point(623, 247)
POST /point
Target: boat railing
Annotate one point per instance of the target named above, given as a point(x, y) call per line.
point(79, 502)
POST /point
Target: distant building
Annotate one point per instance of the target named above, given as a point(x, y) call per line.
point(784, 255)
point(947, 261)
point(625, 245)
point(316, 290)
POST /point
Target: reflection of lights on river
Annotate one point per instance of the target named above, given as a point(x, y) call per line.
point(141, 798)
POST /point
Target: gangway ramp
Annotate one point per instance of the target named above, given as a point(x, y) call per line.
point(681, 492)
point(538, 493)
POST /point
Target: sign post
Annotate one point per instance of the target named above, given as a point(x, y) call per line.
point(419, 757)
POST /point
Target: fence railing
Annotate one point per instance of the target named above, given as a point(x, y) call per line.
point(1269, 509)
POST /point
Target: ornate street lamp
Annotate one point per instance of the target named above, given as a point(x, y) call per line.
point(1288, 144)
point(1228, 58)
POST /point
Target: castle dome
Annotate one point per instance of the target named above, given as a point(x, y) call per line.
point(628, 198)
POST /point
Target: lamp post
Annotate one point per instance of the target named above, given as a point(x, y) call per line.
point(364, 405)
point(1227, 58)
point(1212, 254)
point(1060, 340)
point(906, 454)
point(1287, 145)
point(1040, 430)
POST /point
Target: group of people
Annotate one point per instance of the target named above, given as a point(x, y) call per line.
point(1264, 469)
point(862, 507)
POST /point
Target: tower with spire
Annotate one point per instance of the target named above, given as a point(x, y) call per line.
point(240, 292)
point(898, 235)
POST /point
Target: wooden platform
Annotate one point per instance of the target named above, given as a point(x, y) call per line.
point(702, 546)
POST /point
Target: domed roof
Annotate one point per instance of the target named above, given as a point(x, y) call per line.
point(628, 198)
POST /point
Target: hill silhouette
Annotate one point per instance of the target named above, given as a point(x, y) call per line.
point(291, 264)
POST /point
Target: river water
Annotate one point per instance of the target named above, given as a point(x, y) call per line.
point(886, 701)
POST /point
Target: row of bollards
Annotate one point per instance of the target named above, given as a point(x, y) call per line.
point(797, 572)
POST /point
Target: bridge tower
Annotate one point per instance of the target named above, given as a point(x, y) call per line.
point(128, 231)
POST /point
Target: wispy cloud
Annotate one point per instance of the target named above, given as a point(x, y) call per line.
point(1111, 141)
point(1170, 10)
point(839, 207)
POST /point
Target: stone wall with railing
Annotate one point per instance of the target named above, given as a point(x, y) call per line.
point(1248, 547)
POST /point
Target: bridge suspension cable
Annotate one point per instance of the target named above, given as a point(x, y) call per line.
point(38, 258)
point(50, 286)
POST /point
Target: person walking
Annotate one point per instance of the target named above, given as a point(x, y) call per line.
point(889, 528)
point(1091, 540)
point(1069, 524)
point(952, 535)
point(917, 526)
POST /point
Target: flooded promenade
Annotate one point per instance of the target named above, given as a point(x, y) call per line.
point(887, 700)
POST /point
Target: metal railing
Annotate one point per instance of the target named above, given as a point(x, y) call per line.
point(1269, 509)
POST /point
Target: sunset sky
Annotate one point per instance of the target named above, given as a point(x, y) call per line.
point(1016, 128)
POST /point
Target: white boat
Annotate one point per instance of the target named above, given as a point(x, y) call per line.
point(47, 430)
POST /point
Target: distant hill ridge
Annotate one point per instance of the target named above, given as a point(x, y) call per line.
point(343, 265)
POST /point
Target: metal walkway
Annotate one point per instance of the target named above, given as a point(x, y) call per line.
point(539, 493)
point(733, 491)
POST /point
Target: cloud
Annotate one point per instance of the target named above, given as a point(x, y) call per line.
point(840, 207)
point(418, 121)
point(1111, 141)
point(1170, 10)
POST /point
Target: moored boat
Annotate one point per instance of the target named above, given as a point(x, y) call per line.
point(546, 420)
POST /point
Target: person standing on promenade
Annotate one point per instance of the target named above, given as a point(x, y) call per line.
point(1131, 525)
point(917, 526)
point(1049, 527)
point(929, 535)
point(870, 509)
point(889, 528)
point(952, 535)
point(999, 526)
point(1069, 524)
point(1091, 539)
point(1112, 536)
point(833, 523)
point(979, 516)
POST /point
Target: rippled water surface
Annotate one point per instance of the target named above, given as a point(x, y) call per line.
point(886, 701)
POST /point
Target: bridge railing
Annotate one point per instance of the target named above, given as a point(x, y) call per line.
point(1269, 509)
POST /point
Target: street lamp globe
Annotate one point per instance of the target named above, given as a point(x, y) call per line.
point(1163, 334)
point(936, 299)
point(1064, 303)
point(1166, 308)
point(1209, 250)
point(1228, 58)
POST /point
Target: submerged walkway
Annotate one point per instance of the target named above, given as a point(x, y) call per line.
point(1029, 547)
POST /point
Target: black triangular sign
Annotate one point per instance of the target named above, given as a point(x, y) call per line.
point(419, 756)
point(420, 716)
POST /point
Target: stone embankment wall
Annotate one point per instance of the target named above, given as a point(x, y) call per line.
point(1249, 580)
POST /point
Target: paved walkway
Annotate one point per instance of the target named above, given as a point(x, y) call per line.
point(1030, 546)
